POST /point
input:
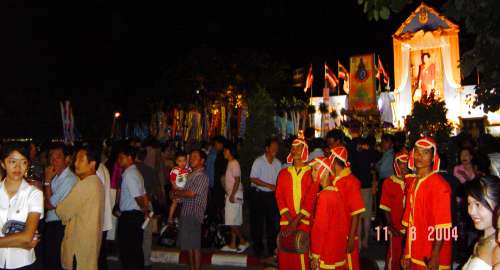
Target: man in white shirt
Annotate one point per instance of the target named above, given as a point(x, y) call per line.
point(134, 207)
point(264, 174)
point(59, 180)
point(103, 174)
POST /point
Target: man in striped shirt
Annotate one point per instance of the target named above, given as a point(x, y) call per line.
point(194, 203)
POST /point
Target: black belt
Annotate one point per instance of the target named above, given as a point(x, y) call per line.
point(263, 191)
point(132, 212)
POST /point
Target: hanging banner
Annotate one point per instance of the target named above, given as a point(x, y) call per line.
point(362, 83)
point(68, 122)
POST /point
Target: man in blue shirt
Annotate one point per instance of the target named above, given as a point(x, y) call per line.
point(211, 156)
point(59, 180)
point(384, 165)
point(134, 208)
point(264, 210)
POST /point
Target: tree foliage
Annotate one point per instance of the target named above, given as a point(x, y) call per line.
point(428, 118)
point(482, 21)
point(207, 74)
point(259, 126)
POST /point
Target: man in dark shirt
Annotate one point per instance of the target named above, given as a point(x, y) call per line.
point(363, 162)
point(218, 194)
point(194, 202)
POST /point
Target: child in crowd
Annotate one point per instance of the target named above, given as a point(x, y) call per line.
point(178, 178)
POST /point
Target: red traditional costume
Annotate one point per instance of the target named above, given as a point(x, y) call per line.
point(350, 190)
point(427, 76)
point(328, 242)
point(295, 193)
point(393, 201)
point(427, 215)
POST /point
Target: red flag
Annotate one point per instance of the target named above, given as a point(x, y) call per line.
point(309, 79)
point(381, 70)
point(331, 80)
point(343, 73)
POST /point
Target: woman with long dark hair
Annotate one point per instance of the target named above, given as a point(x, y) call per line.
point(483, 196)
point(496, 251)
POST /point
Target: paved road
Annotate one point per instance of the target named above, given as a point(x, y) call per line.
point(371, 258)
point(116, 266)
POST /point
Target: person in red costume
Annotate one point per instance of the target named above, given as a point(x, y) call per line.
point(392, 202)
point(295, 196)
point(328, 243)
point(426, 75)
point(350, 189)
point(427, 214)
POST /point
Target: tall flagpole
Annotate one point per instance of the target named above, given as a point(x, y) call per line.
point(338, 80)
point(324, 78)
point(312, 84)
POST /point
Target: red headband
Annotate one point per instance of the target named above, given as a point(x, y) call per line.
point(305, 151)
point(325, 165)
point(342, 154)
point(402, 157)
point(426, 143)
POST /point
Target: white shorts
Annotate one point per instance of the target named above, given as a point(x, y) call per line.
point(233, 213)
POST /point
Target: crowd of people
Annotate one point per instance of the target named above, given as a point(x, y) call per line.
point(59, 204)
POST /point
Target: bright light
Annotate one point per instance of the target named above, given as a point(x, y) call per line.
point(117, 114)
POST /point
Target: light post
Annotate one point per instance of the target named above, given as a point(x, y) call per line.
point(113, 125)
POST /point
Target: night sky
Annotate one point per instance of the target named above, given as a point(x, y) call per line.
point(113, 55)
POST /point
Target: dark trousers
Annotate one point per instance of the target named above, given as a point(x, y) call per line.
point(103, 253)
point(264, 212)
point(215, 205)
point(130, 237)
point(74, 263)
point(52, 239)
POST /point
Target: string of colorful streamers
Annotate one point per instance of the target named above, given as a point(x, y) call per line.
point(292, 116)
point(243, 119)
point(238, 121)
point(297, 122)
point(303, 118)
point(199, 127)
point(205, 124)
point(196, 126)
point(196, 129)
point(215, 124)
point(227, 133)
point(175, 115)
point(284, 124)
point(181, 124)
point(189, 124)
point(223, 121)
point(140, 130)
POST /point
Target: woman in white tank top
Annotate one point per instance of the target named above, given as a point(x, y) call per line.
point(483, 195)
point(496, 251)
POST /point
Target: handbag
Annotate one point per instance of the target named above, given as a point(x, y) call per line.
point(13, 226)
point(293, 242)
